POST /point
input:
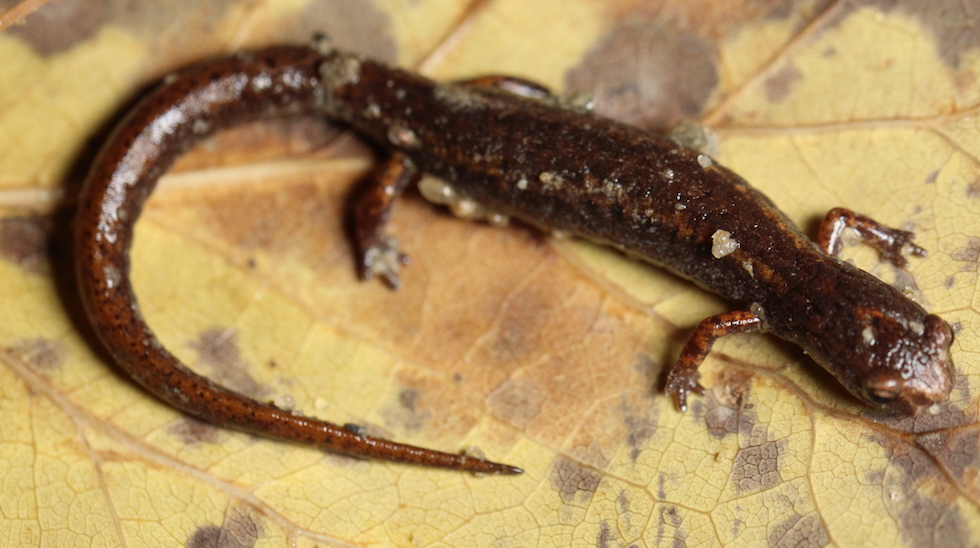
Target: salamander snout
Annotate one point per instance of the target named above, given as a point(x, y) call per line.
point(911, 367)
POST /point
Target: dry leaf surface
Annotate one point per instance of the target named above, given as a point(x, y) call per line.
point(539, 352)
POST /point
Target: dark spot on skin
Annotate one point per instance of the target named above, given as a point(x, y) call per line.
point(641, 425)
point(951, 23)
point(516, 402)
point(969, 255)
point(757, 466)
point(24, 242)
point(779, 85)
point(240, 530)
point(191, 431)
point(798, 531)
point(647, 72)
point(41, 354)
point(218, 352)
point(573, 481)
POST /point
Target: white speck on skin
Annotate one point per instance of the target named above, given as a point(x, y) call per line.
point(680, 207)
point(522, 184)
point(722, 244)
point(747, 265)
point(112, 276)
point(403, 137)
point(668, 174)
point(200, 127)
point(704, 160)
point(917, 327)
point(550, 179)
point(869, 335)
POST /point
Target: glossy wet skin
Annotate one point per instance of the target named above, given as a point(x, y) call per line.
point(532, 157)
point(899, 364)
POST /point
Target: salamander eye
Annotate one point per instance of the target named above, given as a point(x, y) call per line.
point(882, 396)
point(883, 389)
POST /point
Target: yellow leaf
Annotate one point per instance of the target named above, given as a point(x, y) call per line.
point(539, 352)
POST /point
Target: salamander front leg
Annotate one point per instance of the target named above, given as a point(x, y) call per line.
point(892, 243)
point(683, 378)
point(378, 253)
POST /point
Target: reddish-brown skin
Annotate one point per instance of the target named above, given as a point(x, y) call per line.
point(514, 149)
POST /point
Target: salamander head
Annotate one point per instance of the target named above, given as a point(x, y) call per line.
point(904, 364)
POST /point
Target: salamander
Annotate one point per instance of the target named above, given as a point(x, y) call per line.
point(508, 148)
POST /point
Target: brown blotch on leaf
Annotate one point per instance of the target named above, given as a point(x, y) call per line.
point(240, 530)
point(606, 537)
point(218, 351)
point(408, 415)
point(779, 85)
point(41, 354)
point(516, 402)
point(191, 431)
point(24, 241)
point(668, 516)
point(757, 466)
point(969, 255)
point(923, 502)
point(956, 451)
point(573, 481)
point(798, 531)
point(952, 23)
point(647, 72)
point(641, 424)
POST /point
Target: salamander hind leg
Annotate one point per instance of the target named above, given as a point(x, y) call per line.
point(378, 253)
point(892, 243)
point(683, 378)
